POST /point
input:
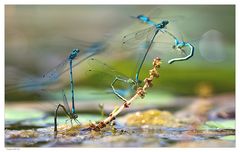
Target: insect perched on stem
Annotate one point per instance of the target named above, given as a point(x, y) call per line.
point(140, 92)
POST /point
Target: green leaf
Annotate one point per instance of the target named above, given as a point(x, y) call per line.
point(230, 137)
point(223, 124)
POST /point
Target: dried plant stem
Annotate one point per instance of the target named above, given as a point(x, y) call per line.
point(141, 91)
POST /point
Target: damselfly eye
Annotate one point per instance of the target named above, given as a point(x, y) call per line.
point(75, 116)
point(77, 50)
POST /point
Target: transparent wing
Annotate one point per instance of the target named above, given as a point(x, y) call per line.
point(18, 80)
point(36, 84)
point(186, 53)
point(55, 72)
point(95, 49)
point(41, 82)
point(162, 46)
point(183, 37)
point(25, 85)
point(132, 40)
point(104, 75)
point(65, 102)
point(168, 52)
point(98, 65)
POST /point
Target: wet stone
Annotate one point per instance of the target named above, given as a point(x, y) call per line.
point(151, 128)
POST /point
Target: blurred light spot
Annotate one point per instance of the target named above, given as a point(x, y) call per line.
point(204, 89)
point(212, 47)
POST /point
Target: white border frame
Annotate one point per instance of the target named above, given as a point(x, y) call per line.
point(122, 2)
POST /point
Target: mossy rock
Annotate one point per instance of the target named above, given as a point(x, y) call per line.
point(21, 134)
point(152, 117)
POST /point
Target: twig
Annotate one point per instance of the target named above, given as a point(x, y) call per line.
point(141, 91)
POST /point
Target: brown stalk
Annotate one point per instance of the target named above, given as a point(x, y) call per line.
point(141, 91)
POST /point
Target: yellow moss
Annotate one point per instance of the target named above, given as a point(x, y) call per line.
point(68, 130)
point(24, 134)
point(152, 117)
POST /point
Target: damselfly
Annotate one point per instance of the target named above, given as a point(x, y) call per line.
point(149, 34)
point(36, 84)
point(178, 45)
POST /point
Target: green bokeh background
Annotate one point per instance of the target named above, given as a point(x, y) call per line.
point(38, 37)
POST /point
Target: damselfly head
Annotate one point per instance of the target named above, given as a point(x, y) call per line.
point(178, 47)
point(74, 54)
point(165, 22)
point(75, 51)
point(74, 116)
point(131, 81)
point(162, 24)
